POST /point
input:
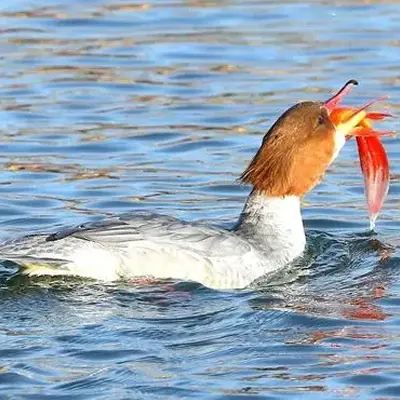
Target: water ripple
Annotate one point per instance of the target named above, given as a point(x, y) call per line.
point(115, 106)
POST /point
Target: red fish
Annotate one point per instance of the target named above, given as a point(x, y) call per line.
point(373, 158)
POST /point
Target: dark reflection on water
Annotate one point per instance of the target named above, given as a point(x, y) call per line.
point(113, 106)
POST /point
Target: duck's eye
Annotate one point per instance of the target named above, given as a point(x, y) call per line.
point(321, 120)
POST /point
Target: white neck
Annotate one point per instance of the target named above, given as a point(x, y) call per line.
point(274, 225)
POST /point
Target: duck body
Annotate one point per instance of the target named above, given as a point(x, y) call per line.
point(151, 245)
point(292, 158)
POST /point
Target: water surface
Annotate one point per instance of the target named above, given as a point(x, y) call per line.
point(116, 106)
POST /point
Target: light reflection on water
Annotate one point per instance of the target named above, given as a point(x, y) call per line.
point(115, 106)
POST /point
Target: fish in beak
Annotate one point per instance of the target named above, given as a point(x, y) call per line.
point(373, 158)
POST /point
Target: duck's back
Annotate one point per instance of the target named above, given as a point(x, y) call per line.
point(140, 245)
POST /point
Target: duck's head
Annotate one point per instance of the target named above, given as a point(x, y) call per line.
point(303, 142)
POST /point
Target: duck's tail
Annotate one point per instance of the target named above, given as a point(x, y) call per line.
point(34, 255)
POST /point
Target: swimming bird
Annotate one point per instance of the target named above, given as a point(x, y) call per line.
point(293, 156)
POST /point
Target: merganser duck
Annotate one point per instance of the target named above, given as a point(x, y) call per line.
point(294, 154)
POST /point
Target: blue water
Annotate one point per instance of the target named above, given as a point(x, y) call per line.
point(115, 106)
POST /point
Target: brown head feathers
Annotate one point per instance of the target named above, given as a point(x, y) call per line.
point(294, 153)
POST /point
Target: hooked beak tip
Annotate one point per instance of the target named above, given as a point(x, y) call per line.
point(335, 100)
point(352, 82)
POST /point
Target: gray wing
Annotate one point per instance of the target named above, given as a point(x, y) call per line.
point(123, 230)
